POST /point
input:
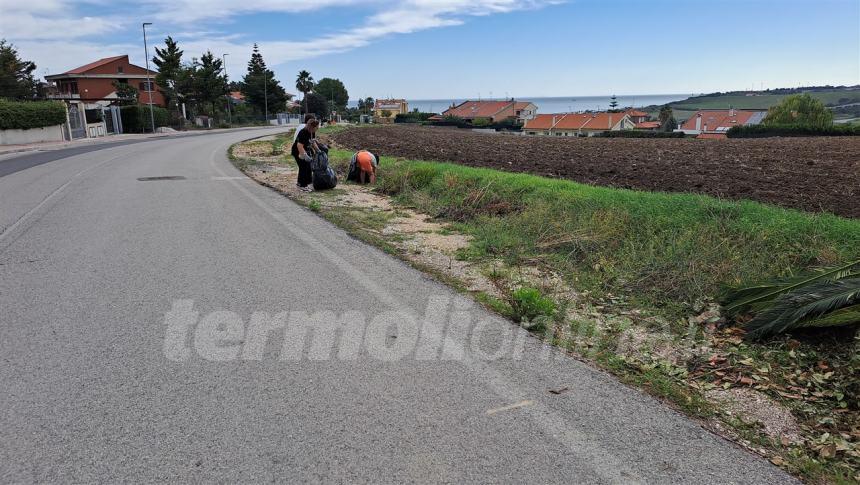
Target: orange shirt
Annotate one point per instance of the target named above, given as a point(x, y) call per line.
point(364, 160)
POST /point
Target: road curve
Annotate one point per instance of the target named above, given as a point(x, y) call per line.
point(186, 329)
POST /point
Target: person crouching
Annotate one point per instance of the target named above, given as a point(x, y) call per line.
point(363, 167)
point(304, 144)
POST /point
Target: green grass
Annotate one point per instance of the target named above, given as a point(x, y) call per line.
point(667, 249)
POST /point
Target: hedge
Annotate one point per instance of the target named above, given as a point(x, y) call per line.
point(764, 131)
point(23, 115)
point(641, 134)
point(135, 118)
point(412, 117)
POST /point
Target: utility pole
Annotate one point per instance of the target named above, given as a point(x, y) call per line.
point(149, 86)
point(266, 94)
point(229, 114)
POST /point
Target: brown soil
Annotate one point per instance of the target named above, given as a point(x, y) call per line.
point(812, 174)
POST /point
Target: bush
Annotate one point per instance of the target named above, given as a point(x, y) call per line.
point(135, 119)
point(413, 117)
point(641, 134)
point(528, 304)
point(764, 131)
point(31, 114)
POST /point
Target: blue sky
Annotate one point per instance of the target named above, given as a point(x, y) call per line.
point(464, 48)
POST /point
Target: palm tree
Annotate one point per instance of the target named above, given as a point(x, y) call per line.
point(305, 84)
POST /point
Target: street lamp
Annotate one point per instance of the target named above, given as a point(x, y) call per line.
point(148, 79)
point(229, 114)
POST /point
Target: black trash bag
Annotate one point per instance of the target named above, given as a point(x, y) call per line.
point(324, 176)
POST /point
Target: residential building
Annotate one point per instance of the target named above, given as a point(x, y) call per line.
point(648, 126)
point(637, 116)
point(385, 110)
point(715, 123)
point(494, 111)
point(90, 91)
point(577, 124)
point(93, 83)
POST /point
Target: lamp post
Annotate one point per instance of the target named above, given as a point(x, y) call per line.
point(229, 114)
point(148, 79)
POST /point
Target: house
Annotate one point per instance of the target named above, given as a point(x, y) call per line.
point(648, 126)
point(89, 92)
point(93, 83)
point(715, 123)
point(385, 110)
point(637, 116)
point(577, 124)
point(494, 111)
point(236, 97)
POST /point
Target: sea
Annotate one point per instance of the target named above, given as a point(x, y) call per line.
point(562, 104)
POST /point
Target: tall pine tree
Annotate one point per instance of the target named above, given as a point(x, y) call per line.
point(169, 64)
point(262, 91)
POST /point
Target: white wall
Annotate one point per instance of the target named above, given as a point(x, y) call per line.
point(33, 135)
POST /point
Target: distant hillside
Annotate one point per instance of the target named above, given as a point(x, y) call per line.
point(829, 95)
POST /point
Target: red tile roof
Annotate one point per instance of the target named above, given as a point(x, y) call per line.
point(575, 121)
point(237, 95)
point(636, 113)
point(93, 65)
point(721, 120)
point(477, 109)
point(648, 125)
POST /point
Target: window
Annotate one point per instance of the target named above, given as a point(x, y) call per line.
point(146, 86)
point(119, 69)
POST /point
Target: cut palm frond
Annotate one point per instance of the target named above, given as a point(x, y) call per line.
point(820, 304)
point(751, 298)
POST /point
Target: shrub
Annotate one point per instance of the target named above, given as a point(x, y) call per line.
point(413, 117)
point(764, 131)
point(482, 122)
point(135, 119)
point(31, 114)
point(641, 134)
point(528, 304)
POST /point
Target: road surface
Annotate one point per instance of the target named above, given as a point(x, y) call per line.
point(186, 329)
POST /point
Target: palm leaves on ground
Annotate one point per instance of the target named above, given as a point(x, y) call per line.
point(825, 298)
point(821, 304)
point(758, 297)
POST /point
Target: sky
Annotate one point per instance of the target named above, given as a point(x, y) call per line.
point(440, 49)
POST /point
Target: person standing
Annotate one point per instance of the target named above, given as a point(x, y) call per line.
point(308, 117)
point(303, 146)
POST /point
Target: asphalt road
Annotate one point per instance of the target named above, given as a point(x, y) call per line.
point(141, 341)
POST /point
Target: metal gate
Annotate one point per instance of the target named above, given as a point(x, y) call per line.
point(76, 124)
point(113, 121)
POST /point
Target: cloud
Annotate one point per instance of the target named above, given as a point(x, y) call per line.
point(38, 27)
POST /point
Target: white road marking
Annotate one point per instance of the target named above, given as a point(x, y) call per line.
point(520, 404)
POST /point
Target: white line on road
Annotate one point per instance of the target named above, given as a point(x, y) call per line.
point(517, 405)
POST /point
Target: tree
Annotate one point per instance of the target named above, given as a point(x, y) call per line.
point(16, 75)
point(209, 82)
point(613, 104)
point(305, 84)
point(169, 64)
point(366, 105)
point(314, 103)
point(800, 109)
point(667, 119)
point(262, 91)
point(333, 90)
point(126, 94)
